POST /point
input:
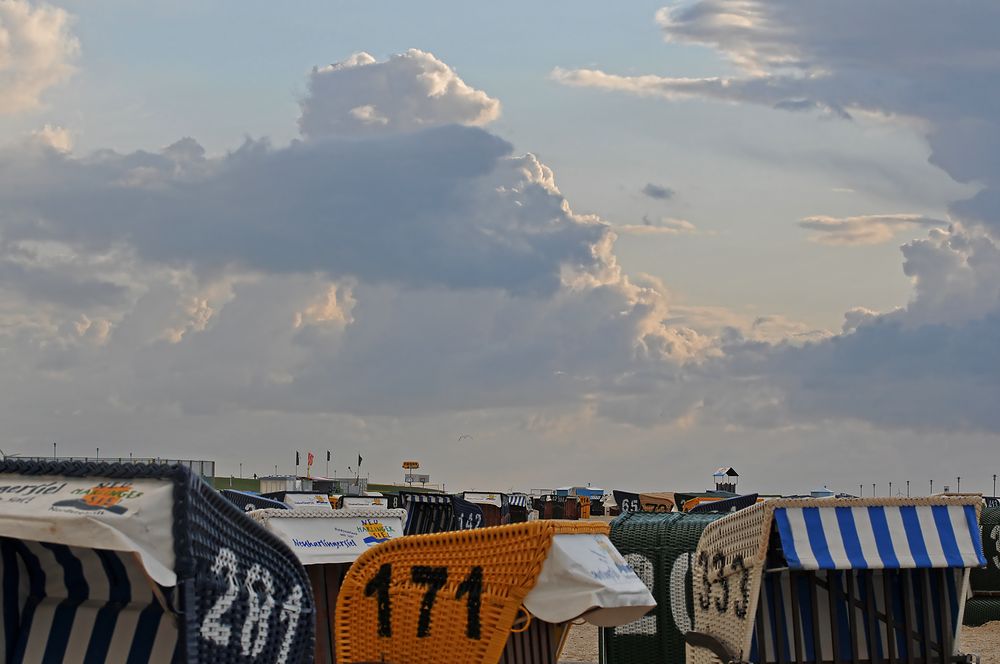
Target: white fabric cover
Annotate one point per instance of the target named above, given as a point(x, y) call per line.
point(115, 514)
point(320, 535)
point(584, 575)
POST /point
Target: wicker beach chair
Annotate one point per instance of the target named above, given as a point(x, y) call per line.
point(491, 504)
point(519, 505)
point(131, 563)
point(327, 542)
point(427, 513)
point(984, 605)
point(835, 580)
point(466, 515)
point(503, 594)
point(247, 501)
point(660, 548)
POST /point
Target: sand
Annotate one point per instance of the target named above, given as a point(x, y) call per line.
point(581, 645)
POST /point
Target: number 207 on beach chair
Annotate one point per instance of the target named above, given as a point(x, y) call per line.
point(136, 564)
point(835, 580)
point(485, 596)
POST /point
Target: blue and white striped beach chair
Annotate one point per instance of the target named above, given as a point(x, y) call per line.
point(134, 564)
point(835, 580)
point(427, 513)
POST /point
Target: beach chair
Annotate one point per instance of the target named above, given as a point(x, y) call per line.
point(835, 580)
point(248, 501)
point(519, 505)
point(491, 504)
point(503, 594)
point(725, 506)
point(466, 515)
point(327, 542)
point(660, 548)
point(570, 507)
point(427, 513)
point(136, 564)
point(984, 605)
point(627, 501)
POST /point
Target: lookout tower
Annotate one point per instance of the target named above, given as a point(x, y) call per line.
point(725, 479)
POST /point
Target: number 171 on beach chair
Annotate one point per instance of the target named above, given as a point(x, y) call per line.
point(505, 594)
point(835, 580)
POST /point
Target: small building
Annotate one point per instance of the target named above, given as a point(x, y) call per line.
point(282, 483)
point(726, 478)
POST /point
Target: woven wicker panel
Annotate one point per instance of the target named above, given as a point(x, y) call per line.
point(988, 579)
point(730, 563)
point(981, 610)
point(660, 548)
point(446, 597)
point(725, 579)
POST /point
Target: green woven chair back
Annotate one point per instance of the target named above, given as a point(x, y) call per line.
point(984, 606)
point(659, 547)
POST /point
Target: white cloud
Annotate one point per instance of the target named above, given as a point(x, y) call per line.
point(36, 52)
point(393, 275)
point(57, 138)
point(396, 273)
point(414, 90)
point(865, 229)
point(663, 226)
point(930, 364)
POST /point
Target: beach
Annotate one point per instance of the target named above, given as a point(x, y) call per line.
point(581, 644)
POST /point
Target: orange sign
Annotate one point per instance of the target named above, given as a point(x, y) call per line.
point(411, 465)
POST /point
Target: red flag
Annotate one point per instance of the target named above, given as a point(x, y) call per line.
point(310, 459)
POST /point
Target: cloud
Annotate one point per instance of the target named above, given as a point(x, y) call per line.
point(391, 273)
point(442, 207)
point(864, 229)
point(56, 138)
point(847, 59)
point(664, 226)
point(929, 365)
point(387, 281)
point(657, 192)
point(414, 90)
point(36, 52)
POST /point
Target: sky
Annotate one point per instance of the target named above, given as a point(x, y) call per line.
point(530, 246)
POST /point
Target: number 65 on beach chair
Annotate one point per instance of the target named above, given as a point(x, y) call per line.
point(835, 580)
point(135, 564)
point(502, 594)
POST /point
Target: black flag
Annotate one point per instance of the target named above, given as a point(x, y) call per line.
point(359, 461)
point(328, 455)
point(296, 457)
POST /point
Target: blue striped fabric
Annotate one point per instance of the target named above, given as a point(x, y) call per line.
point(879, 537)
point(81, 606)
point(426, 513)
point(518, 500)
point(890, 592)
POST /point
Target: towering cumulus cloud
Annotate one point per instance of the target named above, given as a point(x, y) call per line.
point(36, 52)
point(406, 266)
point(414, 90)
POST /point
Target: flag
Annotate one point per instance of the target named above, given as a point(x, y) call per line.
point(309, 459)
point(359, 461)
point(296, 457)
point(328, 455)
